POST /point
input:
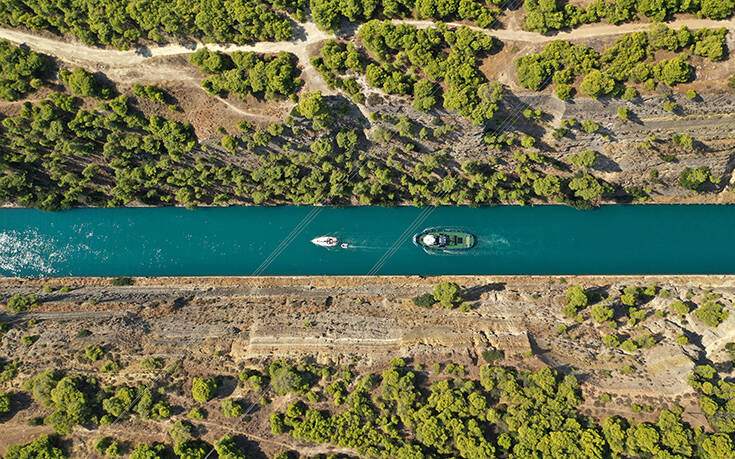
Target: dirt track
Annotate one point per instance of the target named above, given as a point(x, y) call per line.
point(119, 62)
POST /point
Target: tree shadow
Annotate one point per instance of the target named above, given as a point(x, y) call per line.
point(605, 164)
point(251, 447)
point(474, 293)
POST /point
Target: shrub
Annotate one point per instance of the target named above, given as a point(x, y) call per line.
point(447, 294)
point(711, 313)
point(82, 83)
point(682, 340)
point(693, 179)
point(612, 340)
point(563, 91)
point(627, 370)
point(680, 307)
point(197, 414)
point(601, 313)
point(585, 158)
point(491, 355)
point(691, 94)
point(110, 366)
point(44, 446)
point(285, 379)
point(122, 281)
point(4, 403)
point(203, 389)
point(425, 300)
point(152, 363)
point(18, 302)
point(596, 84)
point(577, 300)
point(232, 408)
point(590, 126)
point(144, 451)
point(629, 346)
point(93, 352)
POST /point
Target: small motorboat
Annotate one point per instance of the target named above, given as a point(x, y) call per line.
point(444, 240)
point(325, 241)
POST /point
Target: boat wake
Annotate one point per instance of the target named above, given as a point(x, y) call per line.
point(28, 253)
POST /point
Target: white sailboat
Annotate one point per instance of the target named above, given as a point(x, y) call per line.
point(325, 241)
point(328, 241)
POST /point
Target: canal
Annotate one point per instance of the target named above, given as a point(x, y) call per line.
point(642, 239)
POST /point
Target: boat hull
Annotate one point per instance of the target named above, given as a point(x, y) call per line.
point(444, 240)
point(325, 241)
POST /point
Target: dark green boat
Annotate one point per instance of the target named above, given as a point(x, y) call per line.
point(444, 240)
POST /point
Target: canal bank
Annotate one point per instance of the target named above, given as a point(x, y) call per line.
point(275, 241)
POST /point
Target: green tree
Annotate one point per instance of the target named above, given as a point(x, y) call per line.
point(694, 178)
point(44, 446)
point(232, 408)
point(313, 106)
point(145, 451)
point(18, 302)
point(4, 403)
point(601, 313)
point(447, 294)
point(203, 389)
point(577, 300)
point(596, 84)
point(93, 352)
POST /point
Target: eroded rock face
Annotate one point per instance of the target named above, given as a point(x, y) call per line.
point(366, 322)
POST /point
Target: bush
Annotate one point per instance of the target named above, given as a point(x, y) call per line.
point(232, 408)
point(152, 363)
point(82, 83)
point(122, 281)
point(18, 302)
point(285, 379)
point(425, 300)
point(629, 346)
point(149, 92)
point(601, 313)
point(93, 352)
point(585, 158)
point(144, 451)
point(110, 366)
point(612, 340)
point(4, 403)
point(577, 300)
point(447, 294)
point(44, 446)
point(563, 91)
point(590, 126)
point(491, 355)
point(693, 179)
point(197, 413)
point(203, 389)
point(680, 307)
point(711, 313)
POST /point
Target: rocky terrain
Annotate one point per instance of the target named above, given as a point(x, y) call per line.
point(220, 326)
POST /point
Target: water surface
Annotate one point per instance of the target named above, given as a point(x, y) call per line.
point(240, 241)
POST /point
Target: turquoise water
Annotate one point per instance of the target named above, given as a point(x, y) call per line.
point(237, 240)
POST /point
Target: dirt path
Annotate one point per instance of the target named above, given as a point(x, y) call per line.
point(308, 34)
point(77, 53)
point(586, 31)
